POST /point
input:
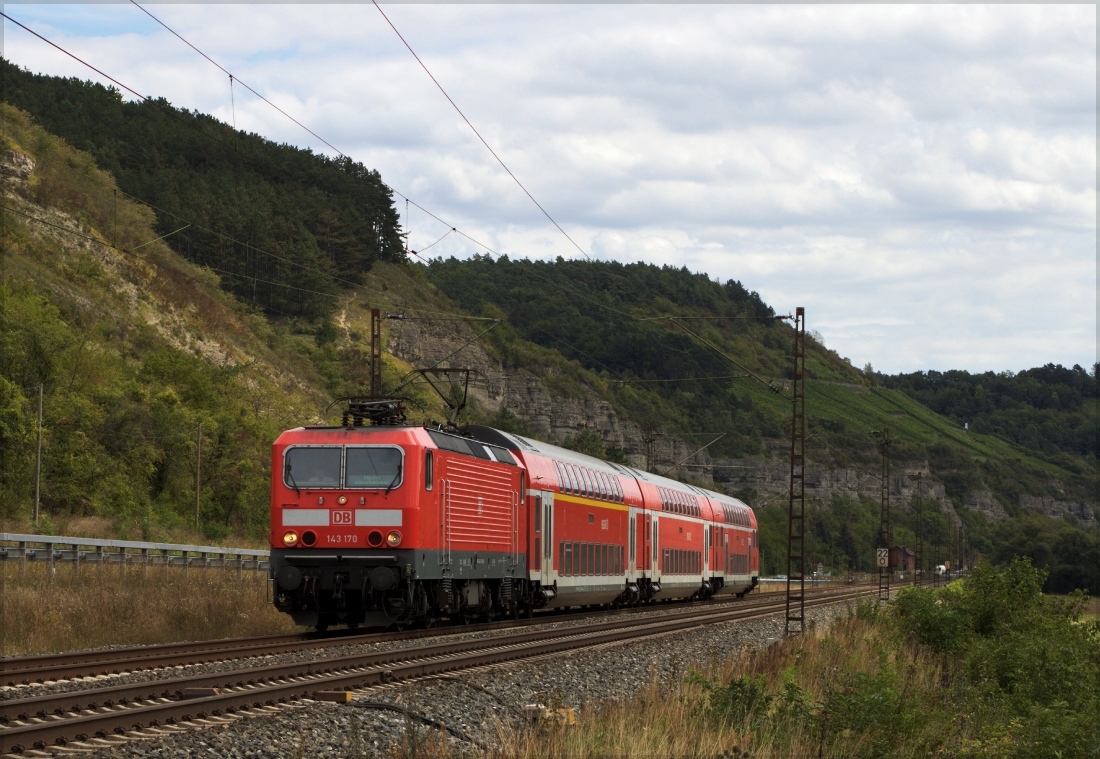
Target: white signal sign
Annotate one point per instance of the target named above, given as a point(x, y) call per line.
point(882, 557)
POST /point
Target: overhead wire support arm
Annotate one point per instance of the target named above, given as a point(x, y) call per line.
point(409, 377)
point(676, 320)
point(693, 453)
point(185, 226)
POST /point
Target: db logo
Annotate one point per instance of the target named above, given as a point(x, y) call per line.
point(341, 517)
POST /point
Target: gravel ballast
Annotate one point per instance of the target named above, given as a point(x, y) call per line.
point(470, 704)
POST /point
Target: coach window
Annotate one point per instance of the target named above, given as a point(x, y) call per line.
point(312, 467)
point(428, 469)
point(563, 483)
point(587, 482)
point(373, 468)
point(574, 479)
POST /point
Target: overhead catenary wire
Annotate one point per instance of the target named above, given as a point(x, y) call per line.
point(204, 133)
point(396, 192)
point(252, 248)
point(453, 228)
point(328, 144)
point(131, 90)
point(477, 133)
point(198, 226)
point(680, 379)
point(775, 317)
point(445, 235)
point(724, 355)
point(158, 264)
point(231, 78)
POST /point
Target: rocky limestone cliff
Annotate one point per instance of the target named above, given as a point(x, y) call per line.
point(553, 416)
point(550, 414)
point(1075, 510)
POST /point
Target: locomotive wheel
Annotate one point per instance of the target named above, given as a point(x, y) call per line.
point(321, 627)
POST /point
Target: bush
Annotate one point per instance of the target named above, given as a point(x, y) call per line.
point(938, 625)
point(734, 702)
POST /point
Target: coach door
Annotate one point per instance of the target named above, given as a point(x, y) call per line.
point(655, 539)
point(547, 519)
point(631, 557)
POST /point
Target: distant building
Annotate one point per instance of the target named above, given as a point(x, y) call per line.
point(902, 558)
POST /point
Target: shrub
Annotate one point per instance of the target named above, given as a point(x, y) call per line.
point(938, 625)
point(734, 702)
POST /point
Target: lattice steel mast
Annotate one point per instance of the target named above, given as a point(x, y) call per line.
point(796, 513)
point(885, 538)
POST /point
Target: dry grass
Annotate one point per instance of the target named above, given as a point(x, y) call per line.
point(681, 719)
point(65, 610)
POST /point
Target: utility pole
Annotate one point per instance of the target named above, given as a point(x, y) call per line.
point(796, 511)
point(38, 458)
point(936, 550)
point(198, 473)
point(375, 354)
point(883, 553)
point(650, 441)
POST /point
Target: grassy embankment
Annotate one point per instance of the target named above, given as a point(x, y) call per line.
point(987, 667)
point(63, 610)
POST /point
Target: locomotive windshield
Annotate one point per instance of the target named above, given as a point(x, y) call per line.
point(373, 468)
point(312, 468)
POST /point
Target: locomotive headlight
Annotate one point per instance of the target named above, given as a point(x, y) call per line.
point(290, 537)
point(342, 500)
point(393, 539)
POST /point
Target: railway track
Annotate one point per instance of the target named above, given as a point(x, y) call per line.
point(27, 670)
point(72, 719)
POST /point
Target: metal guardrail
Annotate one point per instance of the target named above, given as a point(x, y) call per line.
point(59, 548)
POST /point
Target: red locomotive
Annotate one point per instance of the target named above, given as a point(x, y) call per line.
point(393, 525)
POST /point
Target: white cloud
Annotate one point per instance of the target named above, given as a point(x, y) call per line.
point(921, 177)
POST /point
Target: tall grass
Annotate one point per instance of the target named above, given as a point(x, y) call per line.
point(60, 610)
point(849, 692)
point(986, 667)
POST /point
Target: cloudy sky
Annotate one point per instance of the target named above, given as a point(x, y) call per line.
point(921, 178)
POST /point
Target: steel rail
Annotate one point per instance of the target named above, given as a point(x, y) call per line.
point(41, 668)
point(40, 705)
point(305, 678)
point(112, 694)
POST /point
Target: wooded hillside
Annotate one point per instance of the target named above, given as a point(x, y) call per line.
point(286, 228)
point(136, 347)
